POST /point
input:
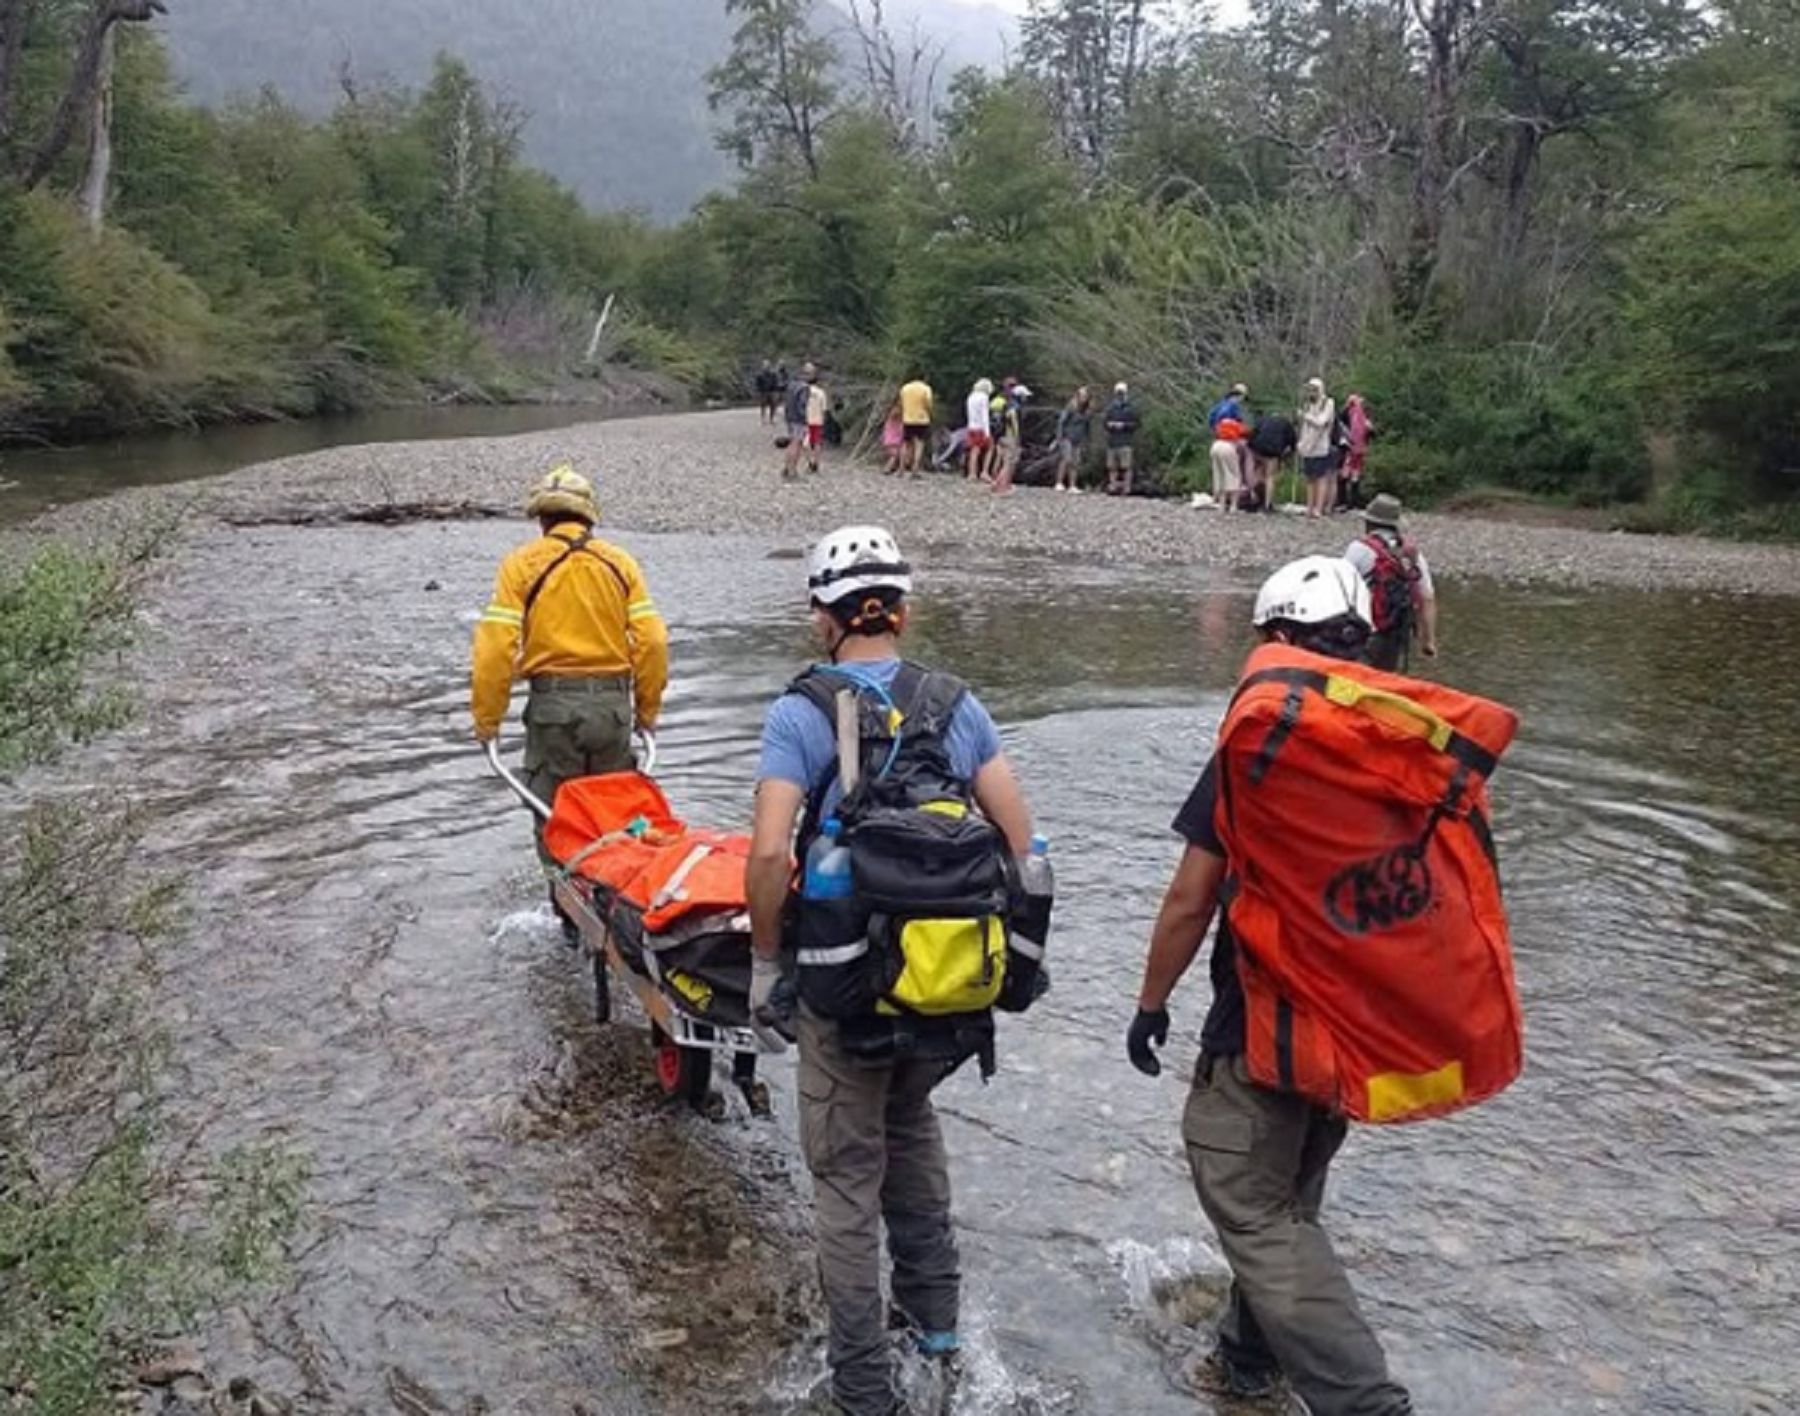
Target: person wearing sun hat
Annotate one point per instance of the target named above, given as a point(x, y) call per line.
point(1403, 599)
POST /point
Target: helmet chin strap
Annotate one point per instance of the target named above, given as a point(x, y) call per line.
point(836, 642)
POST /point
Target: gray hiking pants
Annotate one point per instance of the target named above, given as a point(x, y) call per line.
point(1259, 1159)
point(574, 727)
point(872, 1142)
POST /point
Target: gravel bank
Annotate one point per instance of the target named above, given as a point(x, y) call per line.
point(718, 472)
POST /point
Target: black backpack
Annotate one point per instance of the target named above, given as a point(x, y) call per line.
point(922, 948)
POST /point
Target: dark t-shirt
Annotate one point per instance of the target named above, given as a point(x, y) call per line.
point(1222, 1034)
point(1274, 437)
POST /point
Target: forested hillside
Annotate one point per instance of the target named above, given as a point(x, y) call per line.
point(1553, 246)
point(613, 93)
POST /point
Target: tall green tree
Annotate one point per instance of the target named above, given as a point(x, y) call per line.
point(776, 86)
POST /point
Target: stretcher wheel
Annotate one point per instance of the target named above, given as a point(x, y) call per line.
point(602, 990)
point(684, 1073)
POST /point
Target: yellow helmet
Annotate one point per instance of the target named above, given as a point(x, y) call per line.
point(563, 492)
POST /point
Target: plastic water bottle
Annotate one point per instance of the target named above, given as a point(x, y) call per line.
point(827, 875)
point(1038, 884)
point(1038, 881)
point(1027, 979)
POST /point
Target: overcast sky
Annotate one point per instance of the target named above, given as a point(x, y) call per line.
point(1230, 11)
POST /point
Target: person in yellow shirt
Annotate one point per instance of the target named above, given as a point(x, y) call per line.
point(570, 615)
point(915, 420)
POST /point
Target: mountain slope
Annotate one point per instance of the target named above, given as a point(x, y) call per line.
point(615, 88)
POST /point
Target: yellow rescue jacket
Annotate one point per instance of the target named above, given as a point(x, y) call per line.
point(591, 614)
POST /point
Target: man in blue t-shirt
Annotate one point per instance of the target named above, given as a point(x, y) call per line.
point(867, 1128)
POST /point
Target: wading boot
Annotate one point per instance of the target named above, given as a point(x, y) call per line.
point(1215, 1374)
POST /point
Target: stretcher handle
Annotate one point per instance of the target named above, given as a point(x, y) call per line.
point(524, 793)
point(646, 757)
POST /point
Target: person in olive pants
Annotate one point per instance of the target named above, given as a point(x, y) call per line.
point(1259, 1156)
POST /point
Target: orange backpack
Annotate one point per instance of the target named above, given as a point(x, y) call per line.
point(1362, 892)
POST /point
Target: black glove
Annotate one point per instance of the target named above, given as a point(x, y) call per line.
point(1149, 1026)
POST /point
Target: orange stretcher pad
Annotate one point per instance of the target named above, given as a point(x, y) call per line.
point(618, 831)
point(670, 896)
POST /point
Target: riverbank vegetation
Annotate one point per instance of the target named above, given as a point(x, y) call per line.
point(168, 264)
point(1553, 246)
point(111, 1234)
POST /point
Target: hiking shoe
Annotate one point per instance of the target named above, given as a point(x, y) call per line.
point(1215, 1374)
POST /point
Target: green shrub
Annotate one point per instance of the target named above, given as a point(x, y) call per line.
point(101, 1249)
point(1419, 475)
point(703, 367)
point(59, 612)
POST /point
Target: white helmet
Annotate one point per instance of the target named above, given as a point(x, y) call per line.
point(1313, 590)
point(853, 559)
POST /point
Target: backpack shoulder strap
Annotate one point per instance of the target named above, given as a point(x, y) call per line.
point(820, 686)
point(574, 545)
point(927, 698)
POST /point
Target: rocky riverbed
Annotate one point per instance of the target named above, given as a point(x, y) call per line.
point(504, 1216)
point(718, 472)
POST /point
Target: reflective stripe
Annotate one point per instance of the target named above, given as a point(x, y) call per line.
point(500, 614)
point(1026, 948)
point(837, 954)
point(637, 609)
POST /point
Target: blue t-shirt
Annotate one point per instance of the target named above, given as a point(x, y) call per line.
point(1226, 407)
point(799, 744)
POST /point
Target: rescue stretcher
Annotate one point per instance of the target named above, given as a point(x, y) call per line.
point(660, 906)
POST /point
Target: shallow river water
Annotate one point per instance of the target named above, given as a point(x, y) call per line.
point(506, 1217)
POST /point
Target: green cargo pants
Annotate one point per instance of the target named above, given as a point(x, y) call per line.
point(871, 1140)
point(1259, 1159)
point(574, 727)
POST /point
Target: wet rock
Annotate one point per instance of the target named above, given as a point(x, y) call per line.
point(241, 1388)
point(168, 1367)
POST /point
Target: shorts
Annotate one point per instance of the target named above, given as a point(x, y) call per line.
point(978, 440)
point(1068, 451)
point(917, 432)
point(1118, 458)
point(1313, 468)
point(1226, 468)
point(815, 435)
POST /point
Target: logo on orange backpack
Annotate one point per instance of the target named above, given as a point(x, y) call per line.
point(1380, 893)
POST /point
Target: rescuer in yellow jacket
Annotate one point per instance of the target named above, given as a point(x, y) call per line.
point(570, 615)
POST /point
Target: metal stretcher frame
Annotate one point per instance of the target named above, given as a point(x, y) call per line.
point(670, 1022)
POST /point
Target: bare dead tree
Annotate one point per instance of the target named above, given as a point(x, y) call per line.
point(85, 76)
point(902, 81)
point(97, 179)
point(1454, 34)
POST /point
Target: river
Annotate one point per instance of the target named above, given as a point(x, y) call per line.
point(34, 480)
point(506, 1217)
